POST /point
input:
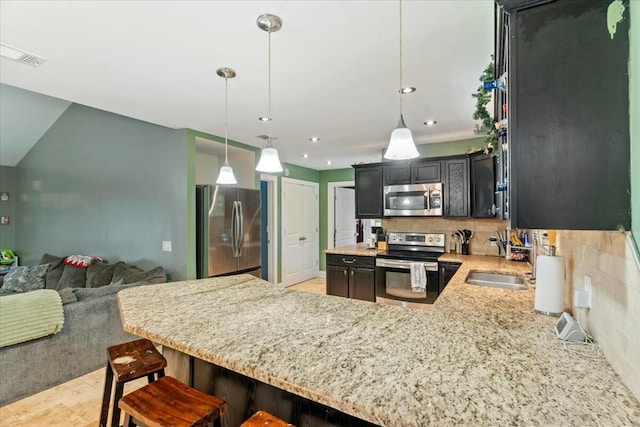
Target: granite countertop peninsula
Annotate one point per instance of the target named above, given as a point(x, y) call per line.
point(358, 249)
point(480, 356)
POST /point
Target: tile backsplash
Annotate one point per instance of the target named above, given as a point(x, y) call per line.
point(614, 317)
point(482, 229)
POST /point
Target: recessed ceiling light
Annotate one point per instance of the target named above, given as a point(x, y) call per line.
point(264, 119)
point(314, 139)
point(329, 162)
point(306, 156)
point(430, 123)
point(20, 55)
point(407, 89)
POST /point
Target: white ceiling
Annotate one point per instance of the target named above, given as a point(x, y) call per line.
point(334, 67)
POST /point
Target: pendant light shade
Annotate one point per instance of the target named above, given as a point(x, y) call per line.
point(269, 161)
point(226, 175)
point(401, 145)
point(269, 158)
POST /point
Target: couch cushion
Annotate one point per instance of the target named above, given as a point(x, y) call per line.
point(55, 270)
point(67, 296)
point(132, 274)
point(100, 274)
point(26, 278)
point(73, 277)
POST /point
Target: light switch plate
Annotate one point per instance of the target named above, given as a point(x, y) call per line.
point(166, 245)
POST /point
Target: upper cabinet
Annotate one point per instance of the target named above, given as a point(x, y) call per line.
point(368, 179)
point(568, 112)
point(483, 189)
point(456, 187)
point(419, 171)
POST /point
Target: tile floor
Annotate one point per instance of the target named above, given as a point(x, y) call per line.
point(76, 403)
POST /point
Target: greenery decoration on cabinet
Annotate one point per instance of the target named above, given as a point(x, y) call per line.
point(487, 124)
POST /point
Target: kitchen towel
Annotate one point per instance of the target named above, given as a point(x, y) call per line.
point(418, 277)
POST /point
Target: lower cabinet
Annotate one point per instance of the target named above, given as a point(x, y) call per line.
point(447, 270)
point(351, 276)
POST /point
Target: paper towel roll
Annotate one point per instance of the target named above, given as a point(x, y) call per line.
point(550, 278)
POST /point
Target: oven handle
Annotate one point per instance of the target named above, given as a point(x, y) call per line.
point(405, 265)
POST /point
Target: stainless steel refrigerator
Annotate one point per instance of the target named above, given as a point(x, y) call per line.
point(228, 231)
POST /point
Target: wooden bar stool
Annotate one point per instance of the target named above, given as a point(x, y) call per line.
point(169, 403)
point(127, 362)
point(265, 419)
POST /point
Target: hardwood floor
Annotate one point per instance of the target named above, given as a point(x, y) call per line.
point(76, 403)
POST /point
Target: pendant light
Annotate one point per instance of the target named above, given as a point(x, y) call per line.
point(226, 175)
point(269, 159)
point(401, 145)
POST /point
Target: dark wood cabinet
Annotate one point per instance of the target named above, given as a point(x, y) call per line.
point(483, 186)
point(426, 171)
point(368, 180)
point(351, 276)
point(396, 173)
point(568, 101)
point(447, 270)
point(456, 187)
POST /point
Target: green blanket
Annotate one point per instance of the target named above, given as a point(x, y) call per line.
point(30, 315)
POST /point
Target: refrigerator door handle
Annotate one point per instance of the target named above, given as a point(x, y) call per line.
point(240, 229)
point(234, 229)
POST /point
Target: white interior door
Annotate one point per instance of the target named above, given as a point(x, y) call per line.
point(345, 217)
point(300, 231)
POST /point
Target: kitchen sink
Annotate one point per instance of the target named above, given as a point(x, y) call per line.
point(496, 280)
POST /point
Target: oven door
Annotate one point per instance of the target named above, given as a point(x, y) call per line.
point(413, 200)
point(393, 281)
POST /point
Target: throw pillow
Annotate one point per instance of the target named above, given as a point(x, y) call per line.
point(99, 275)
point(73, 277)
point(82, 260)
point(67, 296)
point(26, 278)
point(55, 270)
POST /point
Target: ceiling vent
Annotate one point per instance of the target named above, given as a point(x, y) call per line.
point(20, 55)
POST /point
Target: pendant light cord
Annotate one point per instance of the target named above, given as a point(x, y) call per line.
point(400, 91)
point(226, 119)
point(270, 120)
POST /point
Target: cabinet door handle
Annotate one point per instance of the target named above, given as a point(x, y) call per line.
point(352, 272)
point(345, 272)
point(346, 261)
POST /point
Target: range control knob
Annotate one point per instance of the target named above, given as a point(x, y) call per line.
point(430, 239)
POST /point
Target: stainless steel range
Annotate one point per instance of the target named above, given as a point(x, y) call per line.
point(393, 268)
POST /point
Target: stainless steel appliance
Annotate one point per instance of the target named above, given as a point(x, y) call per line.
point(393, 268)
point(228, 231)
point(413, 200)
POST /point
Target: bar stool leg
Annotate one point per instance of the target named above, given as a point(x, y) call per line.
point(115, 415)
point(106, 397)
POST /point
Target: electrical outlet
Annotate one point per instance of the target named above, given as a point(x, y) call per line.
point(166, 245)
point(493, 241)
point(588, 289)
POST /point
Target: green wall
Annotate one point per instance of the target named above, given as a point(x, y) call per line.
point(8, 207)
point(450, 148)
point(634, 115)
point(103, 184)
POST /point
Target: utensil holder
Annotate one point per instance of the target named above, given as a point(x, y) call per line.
point(465, 249)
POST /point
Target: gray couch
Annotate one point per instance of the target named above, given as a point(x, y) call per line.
point(91, 324)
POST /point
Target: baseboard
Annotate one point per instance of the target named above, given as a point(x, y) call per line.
point(321, 273)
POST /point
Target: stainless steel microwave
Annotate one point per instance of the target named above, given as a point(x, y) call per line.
point(413, 200)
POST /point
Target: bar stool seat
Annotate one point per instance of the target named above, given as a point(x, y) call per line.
point(265, 419)
point(168, 402)
point(127, 362)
